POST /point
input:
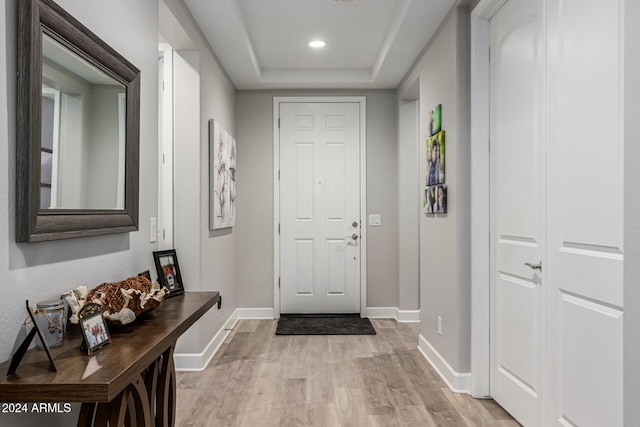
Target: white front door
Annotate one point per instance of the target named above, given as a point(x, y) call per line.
point(319, 207)
point(517, 209)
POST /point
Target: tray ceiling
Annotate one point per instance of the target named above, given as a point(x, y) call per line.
point(263, 44)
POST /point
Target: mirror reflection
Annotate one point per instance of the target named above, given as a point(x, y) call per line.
point(83, 133)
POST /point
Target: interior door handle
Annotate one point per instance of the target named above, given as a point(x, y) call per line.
point(354, 236)
point(532, 266)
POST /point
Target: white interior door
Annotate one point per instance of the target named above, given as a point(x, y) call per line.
point(517, 209)
point(320, 207)
point(586, 237)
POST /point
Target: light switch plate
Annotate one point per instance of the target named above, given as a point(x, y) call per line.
point(375, 220)
point(153, 230)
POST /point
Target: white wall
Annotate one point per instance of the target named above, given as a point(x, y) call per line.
point(38, 271)
point(443, 72)
point(254, 245)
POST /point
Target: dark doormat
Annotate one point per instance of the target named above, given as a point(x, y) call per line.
point(324, 325)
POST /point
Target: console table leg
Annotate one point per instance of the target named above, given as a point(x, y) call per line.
point(103, 412)
point(118, 409)
point(166, 392)
point(151, 382)
point(131, 407)
point(138, 390)
point(87, 412)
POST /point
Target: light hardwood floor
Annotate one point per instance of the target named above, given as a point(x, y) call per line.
point(258, 379)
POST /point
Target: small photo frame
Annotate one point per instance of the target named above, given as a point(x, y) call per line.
point(169, 271)
point(435, 158)
point(430, 200)
point(146, 274)
point(94, 328)
point(434, 121)
point(440, 204)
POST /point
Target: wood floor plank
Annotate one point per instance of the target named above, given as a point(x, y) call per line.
point(470, 410)
point(416, 416)
point(258, 379)
point(350, 406)
point(320, 387)
point(259, 407)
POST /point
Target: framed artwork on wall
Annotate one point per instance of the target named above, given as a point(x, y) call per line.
point(435, 199)
point(222, 177)
point(429, 200)
point(434, 121)
point(440, 199)
point(435, 159)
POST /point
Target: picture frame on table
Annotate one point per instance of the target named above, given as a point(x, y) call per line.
point(169, 271)
point(146, 274)
point(94, 328)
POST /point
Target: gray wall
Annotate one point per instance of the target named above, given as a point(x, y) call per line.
point(409, 203)
point(44, 270)
point(39, 271)
point(202, 91)
point(254, 226)
point(103, 147)
point(443, 72)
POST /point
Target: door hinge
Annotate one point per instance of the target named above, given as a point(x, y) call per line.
point(163, 161)
point(278, 228)
point(278, 174)
point(163, 235)
point(278, 122)
point(278, 282)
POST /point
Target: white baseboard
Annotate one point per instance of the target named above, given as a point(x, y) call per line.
point(404, 316)
point(459, 383)
point(256, 313)
point(199, 361)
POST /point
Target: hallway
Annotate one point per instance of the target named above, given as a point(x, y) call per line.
point(258, 379)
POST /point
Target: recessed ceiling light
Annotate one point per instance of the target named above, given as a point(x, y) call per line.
point(317, 43)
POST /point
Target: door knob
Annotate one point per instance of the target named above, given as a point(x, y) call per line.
point(354, 236)
point(532, 266)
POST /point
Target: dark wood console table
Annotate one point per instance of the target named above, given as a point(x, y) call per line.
point(130, 381)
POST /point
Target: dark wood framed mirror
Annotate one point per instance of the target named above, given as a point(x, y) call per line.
point(78, 130)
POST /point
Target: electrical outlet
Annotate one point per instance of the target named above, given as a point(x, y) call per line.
point(440, 325)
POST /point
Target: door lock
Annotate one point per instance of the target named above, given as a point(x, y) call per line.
point(355, 223)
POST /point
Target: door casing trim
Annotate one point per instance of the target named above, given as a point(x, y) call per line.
point(480, 206)
point(362, 100)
